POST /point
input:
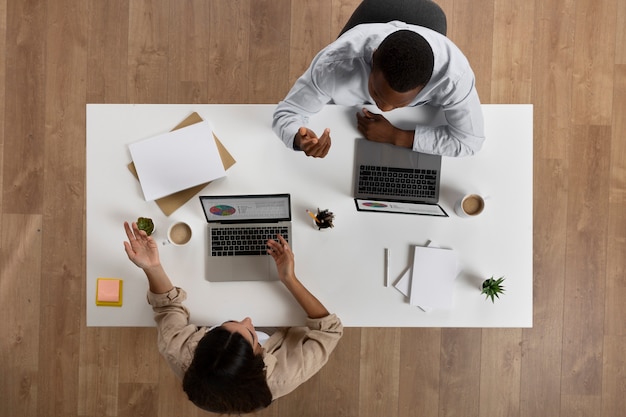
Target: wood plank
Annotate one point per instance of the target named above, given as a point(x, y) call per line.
point(614, 359)
point(20, 268)
point(473, 34)
point(552, 77)
point(419, 372)
point(3, 76)
point(459, 379)
point(107, 58)
point(172, 400)
point(341, 10)
point(137, 400)
point(138, 354)
point(63, 286)
point(65, 94)
point(303, 401)
point(310, 33)
point(340, 380)
point(580, 405)
point(500, 372)
point(188, 51)
point(594, 57)
point(24, 85)
point(268, 75)
point(512, 51)
point(148, 51)
point(540, 391)
point(586, 268)
point(380, 371)
point(229, 36)
point(98, 372)
point(620, 35)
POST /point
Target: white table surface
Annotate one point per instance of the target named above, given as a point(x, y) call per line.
point(343, 266)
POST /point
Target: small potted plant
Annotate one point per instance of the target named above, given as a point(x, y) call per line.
point(145, 224)
point(492, 288)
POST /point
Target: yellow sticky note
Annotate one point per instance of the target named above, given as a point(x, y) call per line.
point(109, 292)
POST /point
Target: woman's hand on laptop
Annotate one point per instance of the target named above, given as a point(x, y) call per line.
point(307, 141)
point(284, 258)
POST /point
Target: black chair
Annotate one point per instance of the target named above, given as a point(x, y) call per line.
point(424, 13)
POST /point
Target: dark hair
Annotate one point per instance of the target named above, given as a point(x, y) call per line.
point(405, 59)
point(225, 376)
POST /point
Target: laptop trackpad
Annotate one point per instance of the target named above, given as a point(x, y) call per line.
point(241, 268)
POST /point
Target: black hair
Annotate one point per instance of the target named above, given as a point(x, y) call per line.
point(225, 376)
point(405, 59)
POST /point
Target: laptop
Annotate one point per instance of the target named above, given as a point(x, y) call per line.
point(238, 229)
point(393, 179)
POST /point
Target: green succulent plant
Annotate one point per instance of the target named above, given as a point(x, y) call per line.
point(145, 224)
point(492, 287)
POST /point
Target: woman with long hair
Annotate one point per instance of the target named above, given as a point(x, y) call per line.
point(232, 367)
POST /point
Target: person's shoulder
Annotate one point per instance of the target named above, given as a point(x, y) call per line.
point(357, 43)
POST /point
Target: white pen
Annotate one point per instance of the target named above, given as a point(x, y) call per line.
point(387, 267)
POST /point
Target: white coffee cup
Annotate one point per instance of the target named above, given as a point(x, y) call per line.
point(470, 205)
point(179, 234)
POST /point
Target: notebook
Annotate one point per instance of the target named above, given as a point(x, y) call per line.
point(393, 179)
point(237, 231)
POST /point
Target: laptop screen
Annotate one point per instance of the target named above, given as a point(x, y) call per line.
point(246, 208)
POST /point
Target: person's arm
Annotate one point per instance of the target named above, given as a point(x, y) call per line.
point(143, 251)
point(175, 333)
point(377, 128)
point(463, 134)
point(284, 258)
point(303, 100)
point(464, 131)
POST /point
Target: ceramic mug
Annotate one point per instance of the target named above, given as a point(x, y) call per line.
point(179, 234)
point(470, 205)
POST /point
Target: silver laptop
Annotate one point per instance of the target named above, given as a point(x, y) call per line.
point(393, 179)
point(238, 229)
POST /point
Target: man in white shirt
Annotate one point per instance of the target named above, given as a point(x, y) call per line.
point(391, 65)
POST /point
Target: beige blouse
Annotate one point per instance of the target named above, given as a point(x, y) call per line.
point(292, 355)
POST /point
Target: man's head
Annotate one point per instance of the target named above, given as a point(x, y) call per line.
point(402, 66)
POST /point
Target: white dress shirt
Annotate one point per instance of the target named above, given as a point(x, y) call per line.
point(340, 72)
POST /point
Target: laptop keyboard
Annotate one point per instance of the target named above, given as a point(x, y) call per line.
point(400, 182)
point(244, 240)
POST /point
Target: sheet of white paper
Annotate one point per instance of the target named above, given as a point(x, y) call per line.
point(403, 283)
point(176, 160)
point(432, 279)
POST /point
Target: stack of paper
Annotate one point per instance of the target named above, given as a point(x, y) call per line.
point(177, 160)
point(429, 282)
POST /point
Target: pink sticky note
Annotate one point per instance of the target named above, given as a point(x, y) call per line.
point(109, 290)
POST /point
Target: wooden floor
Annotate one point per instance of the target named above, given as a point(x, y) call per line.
point(567, 57)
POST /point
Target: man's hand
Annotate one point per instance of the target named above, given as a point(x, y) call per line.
point(377, 128)
point(313, 146)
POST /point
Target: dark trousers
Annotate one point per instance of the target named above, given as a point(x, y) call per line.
point(424, 13)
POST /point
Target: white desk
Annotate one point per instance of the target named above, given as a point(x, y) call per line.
point(343, 266)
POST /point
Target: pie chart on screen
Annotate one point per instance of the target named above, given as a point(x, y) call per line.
point(222, 210)
point(374, 204)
